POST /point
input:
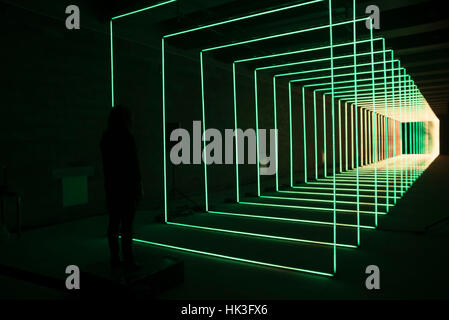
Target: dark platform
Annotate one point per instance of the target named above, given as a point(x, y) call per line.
point(157, 274)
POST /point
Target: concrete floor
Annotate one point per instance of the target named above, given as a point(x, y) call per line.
point(409, 247)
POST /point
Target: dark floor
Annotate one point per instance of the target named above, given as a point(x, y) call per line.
point(409, 247)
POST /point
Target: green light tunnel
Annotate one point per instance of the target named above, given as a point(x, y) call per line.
point(358, 131)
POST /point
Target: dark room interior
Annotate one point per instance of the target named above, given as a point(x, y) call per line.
point(247, 150)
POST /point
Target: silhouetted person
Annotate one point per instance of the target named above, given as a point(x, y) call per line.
point(122, 183)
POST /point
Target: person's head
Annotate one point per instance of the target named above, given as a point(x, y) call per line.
point(120, 118)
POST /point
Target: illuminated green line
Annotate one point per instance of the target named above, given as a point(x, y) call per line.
point(305, 207)
point(340, 93)
point(356, 128)
point(256, 98)
point(347, 181)
point(251, 234)
point(202, 76)
point(144, 9)
point(257, 132)
point(242, 18)
point(276, 138)
point(366, 137)
point(339, 194)
point(369, 136)
point(290, 219)
point(339, 136)
point(290, 132)
point(346, 134)
point(324, 137)
point(163, 133)
point(348, 96)
point(353, 178)
point(330, 194)
point(305, 50)
point(271, 37)
point(394, 153)
point(411, 134)
point(374, 107)
point(406, 151)
point(314, 60)
point(234, 85)
point(112, 63)
point(340, 189)
point(316, 139)
point(334, 142)
point(333, 135)
point(203, 107)
point(362, 159)
point(352, 136)
point(305, 131)
point(290, 149)
point(367, 174)
point(337, 75)
point(367, 171)
point(385, 142)
point(322, 200)
point(232, 258)
point(288, 74)
point(305, 153)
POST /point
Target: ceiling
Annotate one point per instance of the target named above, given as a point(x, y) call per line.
point(417, 30)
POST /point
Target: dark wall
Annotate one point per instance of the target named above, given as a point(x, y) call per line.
point(444, 133)
point(56, 97)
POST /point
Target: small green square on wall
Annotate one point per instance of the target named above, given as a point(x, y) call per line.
point(74, 191)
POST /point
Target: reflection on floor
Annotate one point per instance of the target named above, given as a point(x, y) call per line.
point(409, 246)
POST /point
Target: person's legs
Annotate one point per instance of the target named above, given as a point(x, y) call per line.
point(127, 229)
point(113, 233)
